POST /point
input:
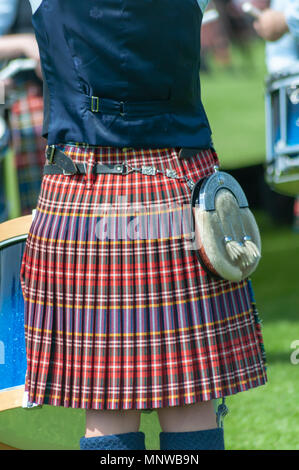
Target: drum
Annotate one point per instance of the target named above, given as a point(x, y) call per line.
point(282, 131)
point(24, 428)
point(46, 427)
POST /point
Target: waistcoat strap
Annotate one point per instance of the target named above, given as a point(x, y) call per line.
point(138, 108)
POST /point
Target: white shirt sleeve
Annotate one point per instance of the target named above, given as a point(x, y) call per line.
point(203, 4)
point(8, 11)
point(292, 17)
point(35, 4)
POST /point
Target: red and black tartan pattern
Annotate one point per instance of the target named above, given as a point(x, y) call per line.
point(125, 322)
point(26, 120)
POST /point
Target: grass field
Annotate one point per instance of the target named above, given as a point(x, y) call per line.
point(266, 417)
point(234, 102)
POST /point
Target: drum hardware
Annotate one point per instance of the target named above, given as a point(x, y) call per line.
point(293, 93)
point(282, 133)
point(284, 174)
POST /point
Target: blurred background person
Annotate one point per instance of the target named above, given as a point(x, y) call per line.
point(279, 26)
point(215, 41)
point(23, 99)
point(231, 28)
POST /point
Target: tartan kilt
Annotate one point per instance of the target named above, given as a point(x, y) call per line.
point(26, 121)
point(115, 320)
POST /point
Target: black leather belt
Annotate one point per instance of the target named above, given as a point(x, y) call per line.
point(80, 168)
point(58, 163)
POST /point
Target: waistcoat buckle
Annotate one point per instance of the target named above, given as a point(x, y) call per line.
point(121, 108)
point(95, 101)
point(50, 153)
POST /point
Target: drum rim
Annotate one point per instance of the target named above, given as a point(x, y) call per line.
point(12, 241)
point(277, 78)
point(13, 234)
point(11, 230)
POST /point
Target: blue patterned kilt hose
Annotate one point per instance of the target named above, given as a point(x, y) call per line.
point(119, 319)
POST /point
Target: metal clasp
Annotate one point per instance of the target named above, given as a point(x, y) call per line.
point(122, 168)
point(121, 108)
point(171, 173)
point(148, 170)
point(130, 169)
point(95, 104)
point(52, 152)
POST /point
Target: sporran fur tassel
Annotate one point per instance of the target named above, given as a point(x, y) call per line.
point(251, 247)
point(233, 248)
point(246, 253)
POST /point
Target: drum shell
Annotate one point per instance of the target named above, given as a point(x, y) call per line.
point(282, 133)
point(24, 428)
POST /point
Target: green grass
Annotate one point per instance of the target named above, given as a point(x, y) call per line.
point(268, 417)
point(234, 102)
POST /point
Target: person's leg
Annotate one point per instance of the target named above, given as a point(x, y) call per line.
point(102, 422)
point(192, 427)
point(112, 429)
point(188, 418)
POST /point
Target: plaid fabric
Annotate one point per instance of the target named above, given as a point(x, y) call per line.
point(26, 119)
point(119, 321)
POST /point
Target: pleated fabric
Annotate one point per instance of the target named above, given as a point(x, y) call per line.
point(119, 313)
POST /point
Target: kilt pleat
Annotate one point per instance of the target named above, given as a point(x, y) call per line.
point(119, 314)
